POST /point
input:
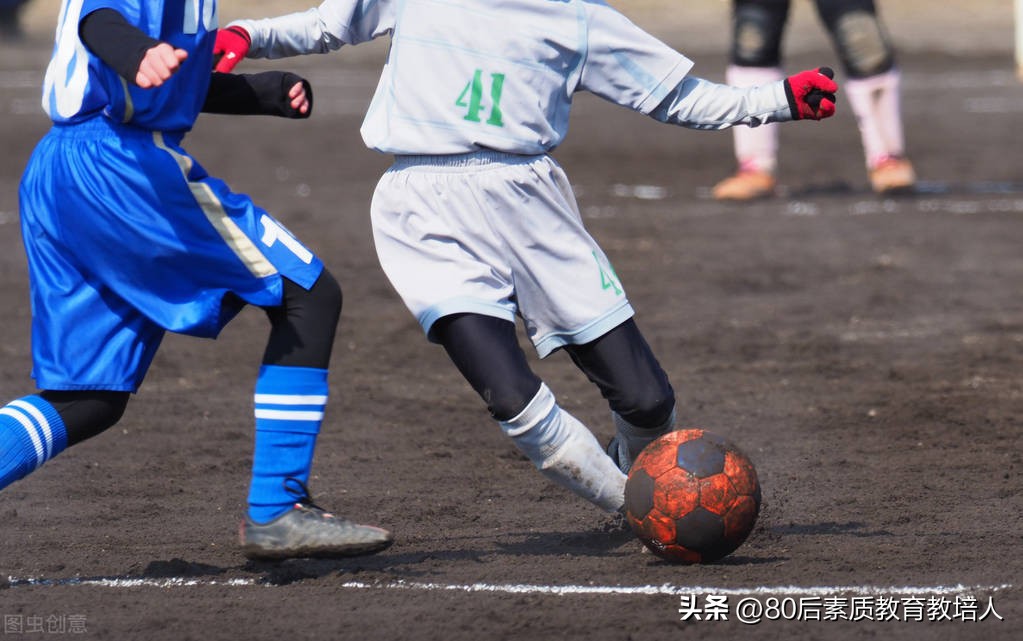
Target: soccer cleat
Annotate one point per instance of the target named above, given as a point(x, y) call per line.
point(893, 174)
point(619, 454)
point(746, 184)
point(307, 530)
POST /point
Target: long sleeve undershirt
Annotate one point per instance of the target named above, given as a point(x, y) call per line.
point(122, 46)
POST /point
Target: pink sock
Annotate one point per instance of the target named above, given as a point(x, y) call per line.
point(875, 102)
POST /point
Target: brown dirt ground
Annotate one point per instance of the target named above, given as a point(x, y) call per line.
point(864, 352)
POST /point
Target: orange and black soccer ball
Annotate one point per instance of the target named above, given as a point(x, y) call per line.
point(692, 496)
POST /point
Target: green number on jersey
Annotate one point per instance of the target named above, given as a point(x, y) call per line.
point(474, 91)
point(608, 280)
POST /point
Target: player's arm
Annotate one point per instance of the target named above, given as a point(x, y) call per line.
point(699, 104)
point(271, 93)
point(322, 29)
point(288, 35)
point(628, 66)
point(136, 57)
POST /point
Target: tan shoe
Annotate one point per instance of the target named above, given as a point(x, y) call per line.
point(747, 184)
point(894, 174)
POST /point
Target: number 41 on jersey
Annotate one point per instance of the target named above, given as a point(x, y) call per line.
point(471, 98)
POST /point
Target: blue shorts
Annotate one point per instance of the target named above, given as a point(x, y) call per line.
point(127, 237)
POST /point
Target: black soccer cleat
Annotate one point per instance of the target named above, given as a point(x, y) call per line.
point(307, 530)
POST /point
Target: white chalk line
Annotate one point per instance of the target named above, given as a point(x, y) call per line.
point(525, 588)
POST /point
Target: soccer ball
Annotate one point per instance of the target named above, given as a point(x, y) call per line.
point(692, 496)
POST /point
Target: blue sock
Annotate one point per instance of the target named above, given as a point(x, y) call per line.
point(31, 433)
point(289, 410)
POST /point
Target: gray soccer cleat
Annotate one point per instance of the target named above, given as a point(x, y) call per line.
point(308, 530)
point(619, 453)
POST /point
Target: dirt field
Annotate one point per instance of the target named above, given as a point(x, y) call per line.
point(865, 352)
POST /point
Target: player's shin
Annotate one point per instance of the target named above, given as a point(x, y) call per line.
point(31, 433)
point(289, 406)
point(875, 101)
point(566, 452)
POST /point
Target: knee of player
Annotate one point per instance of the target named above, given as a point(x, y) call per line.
point(87, 413)
point(109, 409)
point(863, 46)
point(327, 291)
point(756, 41)
point(507, 401)
point(647, 406)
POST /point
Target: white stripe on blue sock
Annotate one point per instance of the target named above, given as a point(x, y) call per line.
point(41, 421)
point(31, 433)
point(30, 429)
point(291, 399)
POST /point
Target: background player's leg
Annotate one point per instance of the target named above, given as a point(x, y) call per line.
point(34, 429)
point(10, 21)
point(873, 89)
point(756, 148)
point(486, 351)
point(755, 60)
point(876, 103)
point(637, 389)
point(291, 393)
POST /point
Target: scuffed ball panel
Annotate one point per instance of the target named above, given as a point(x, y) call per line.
point(639, 494)
point(740, 470)
point(675, 492)
point(739, 520)
point(655, 529)
point(676, 553)
point(700, 530)
point(657, 458)
point(684, 436)
point(717, 494)
point(701, 457)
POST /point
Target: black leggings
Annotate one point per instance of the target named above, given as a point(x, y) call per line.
point(301, 335)
point(487, 353)
point(856, 32)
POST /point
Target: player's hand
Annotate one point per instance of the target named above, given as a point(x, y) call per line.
point(158, 64)
point(811, 94)
point(230, 47)
point(301, 99)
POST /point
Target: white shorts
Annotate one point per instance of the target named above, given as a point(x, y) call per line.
point(495, 234)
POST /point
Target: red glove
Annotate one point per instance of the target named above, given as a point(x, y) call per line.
point(230, 47)
point(811, 94)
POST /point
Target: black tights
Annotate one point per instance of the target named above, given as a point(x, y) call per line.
point(486, 351)
point(302, 332)
point(859, 37)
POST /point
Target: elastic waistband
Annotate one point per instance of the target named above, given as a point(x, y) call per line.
point(103, 127)
point(481, 158)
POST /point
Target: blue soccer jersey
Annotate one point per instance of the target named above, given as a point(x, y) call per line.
point(126, 235)
point(79, 86)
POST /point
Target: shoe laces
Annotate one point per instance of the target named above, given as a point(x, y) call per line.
point(303, 498)
point(888, 160)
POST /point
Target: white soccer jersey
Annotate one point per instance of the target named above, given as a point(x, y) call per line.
point(466, 75)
